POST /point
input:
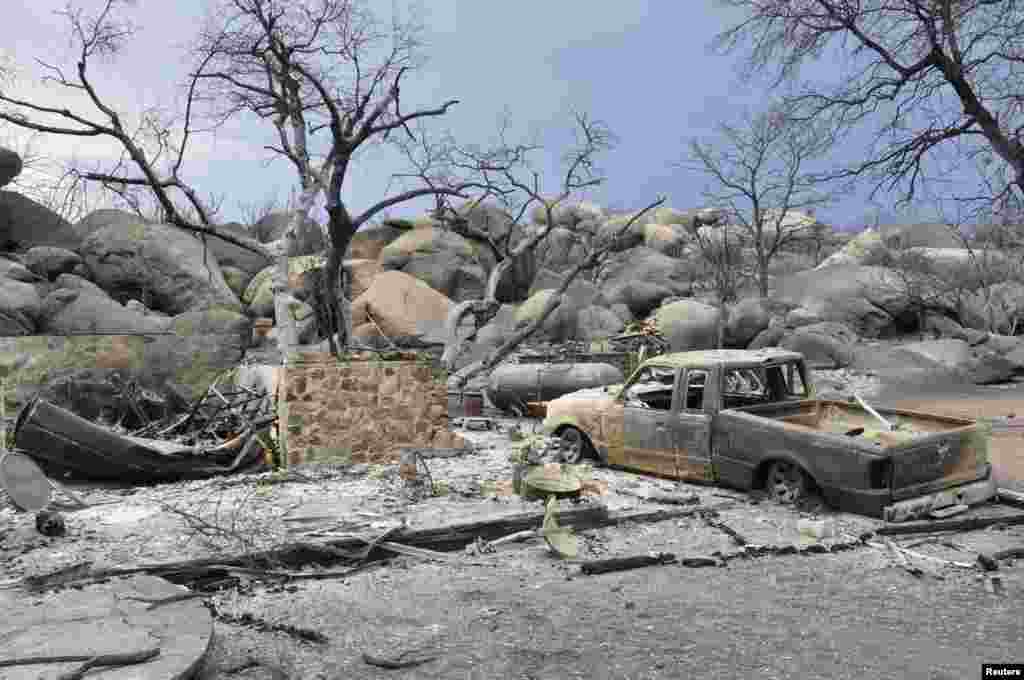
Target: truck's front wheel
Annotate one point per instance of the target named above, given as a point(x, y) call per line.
point(788, 483)
point(575, 447)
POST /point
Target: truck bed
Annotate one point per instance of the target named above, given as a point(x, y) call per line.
point(928, 461)
point(844, 418)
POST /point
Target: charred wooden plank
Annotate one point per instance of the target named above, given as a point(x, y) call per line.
point(624, 563)
point(968, 524)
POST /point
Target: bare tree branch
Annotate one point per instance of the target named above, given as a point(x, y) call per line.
point(103, 36)
point(592, 259)
point(759, 172)
point(929, 75)
point(503, 169)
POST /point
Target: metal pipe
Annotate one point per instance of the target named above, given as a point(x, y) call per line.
point(888, 426)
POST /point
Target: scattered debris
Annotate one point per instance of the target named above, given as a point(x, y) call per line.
point(664, 498)
point(948, 511)
point(624, 563)
point(697, 562)
point(413, 469)
point(991, 562)
point(480, 546)
point(816, 528)
point(921, 556)
point(901, 558)
point(968, 524)
point(66, 445)
point(474, 423)
point(251, 662)
point(90, 661)
point(155, 602)
point(736, 537)
point(443, 452)
point(250, 621)
point(397, 662)
point(1010, 497)
point(50, 523)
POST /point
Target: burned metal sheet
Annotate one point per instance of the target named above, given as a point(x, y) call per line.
point(66, 445)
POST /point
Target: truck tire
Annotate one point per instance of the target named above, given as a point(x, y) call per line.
point(787, 483)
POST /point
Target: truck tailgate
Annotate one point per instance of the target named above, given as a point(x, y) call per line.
point(939, 461)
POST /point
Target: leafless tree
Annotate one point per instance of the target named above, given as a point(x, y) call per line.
point(99, 37)
point(506, 172)
point(312, 67)
point(931, 74)
point(758, 170)
point(720, 251)
point(254, 211)
point(596, 253)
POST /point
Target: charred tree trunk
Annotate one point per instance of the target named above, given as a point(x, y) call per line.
point(341, 229)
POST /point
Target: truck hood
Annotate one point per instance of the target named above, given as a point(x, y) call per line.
point(580, 408)
point(605, 393)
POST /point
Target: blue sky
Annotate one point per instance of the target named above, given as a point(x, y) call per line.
point(644, 68)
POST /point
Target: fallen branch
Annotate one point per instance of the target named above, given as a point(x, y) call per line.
point(421, 553)
point(624, 563)
point(375, 542)
point(397, 662)
point(354, 550)
point(445, 453)
point(969, 524)
point(514, 538)
point(663, 498)
point(90, 661)
point(342, 573)
point(921, 556)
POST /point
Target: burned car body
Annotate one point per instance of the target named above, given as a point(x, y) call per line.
point(749, 419)
point(66, 445)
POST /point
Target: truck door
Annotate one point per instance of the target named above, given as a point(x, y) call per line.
point(646, 417)
point(691, 426)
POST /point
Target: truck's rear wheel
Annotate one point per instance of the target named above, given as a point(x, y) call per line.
point(787, 483)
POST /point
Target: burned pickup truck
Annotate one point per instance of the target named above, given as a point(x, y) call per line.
point(749, 419)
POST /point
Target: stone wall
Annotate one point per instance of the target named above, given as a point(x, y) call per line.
point(361, 409)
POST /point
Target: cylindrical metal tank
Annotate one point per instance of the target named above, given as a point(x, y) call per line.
point(512, 385)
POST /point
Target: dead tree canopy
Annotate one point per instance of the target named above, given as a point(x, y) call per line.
point(505, 173)
point(328, 75)
point(151, 154)
point(926, 72)
point(760, 171)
